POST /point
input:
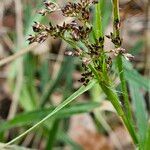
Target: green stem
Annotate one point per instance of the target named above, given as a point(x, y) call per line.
point(124, 87)
point(116, 28)
point(116, 19)
point(98, 22)
point(112, 96)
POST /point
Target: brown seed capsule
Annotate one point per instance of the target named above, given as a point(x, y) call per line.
point(36, 27)
point(77, 52)
point(87, 80)
point(42, 37)
point(95, 2)
point(43, 12)
point(50, 6)
point(82, 79)
point(108, 36)
point(31, 39)
point(86, 61)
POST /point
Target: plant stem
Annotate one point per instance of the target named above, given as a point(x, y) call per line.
point(116, 28)
point(113, 97)
point(98, 22)
point(124, 87)
point(116, 19)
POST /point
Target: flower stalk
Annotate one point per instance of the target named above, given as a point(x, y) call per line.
point(105, 81)
point(117, 43)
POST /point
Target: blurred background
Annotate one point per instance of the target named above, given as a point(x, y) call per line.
point(33, 85)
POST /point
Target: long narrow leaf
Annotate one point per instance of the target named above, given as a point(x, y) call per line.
point(34, 116)
point(147, 141)
point(56, 110)
point(140, 111)
point(133, 76)
point(66, 139)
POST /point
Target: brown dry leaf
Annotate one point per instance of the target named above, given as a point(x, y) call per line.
point(124, 138)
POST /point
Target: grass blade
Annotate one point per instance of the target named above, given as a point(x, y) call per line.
point(29, 118)
point(57, 109)
point(132, 75)
point(52, 135)
point(140, 111)
point(147, 141)
point(66, 139)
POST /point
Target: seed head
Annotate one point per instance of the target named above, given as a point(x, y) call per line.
point(50, 6)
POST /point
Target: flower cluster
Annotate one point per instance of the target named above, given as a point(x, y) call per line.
point(74, 31)
point(79, 10)
point(115, 40)
point(79, 30)
point(49, 8)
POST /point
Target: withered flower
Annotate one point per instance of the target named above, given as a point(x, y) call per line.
point(50, 6)
point(42, 37)
point(76, 52)
point(37, 27)
point(31, 39)
point(80, 10)
point(121, 51)
point(43, 12)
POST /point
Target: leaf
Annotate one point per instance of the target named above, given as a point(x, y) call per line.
point(101, 18)
point(147, 140)
point(14, 147)
point(133, 76)
point(52, 85)
point(137, 47)
point(106, 9)
point(56, 110)
point(66, 139)
point(140, 111)
point(34, 116)
point(52, 135)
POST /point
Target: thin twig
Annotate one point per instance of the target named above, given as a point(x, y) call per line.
point(17, 54)
point(1, 14)
point(60, 55)
point(19, 80)
point(8, 41)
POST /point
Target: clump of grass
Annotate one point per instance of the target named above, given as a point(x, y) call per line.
point(96, 61)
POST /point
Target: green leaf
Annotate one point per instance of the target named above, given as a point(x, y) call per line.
point(137, 47)
point(52, 85)
point(101, 18)
point(66, 139)
point(56, 110)
point(106, 10)
point(52, 135)
point(14, 147)
point(26, 101)
point(147, 141)
point(140, 111)
point(34, 116)
point(133, 76)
